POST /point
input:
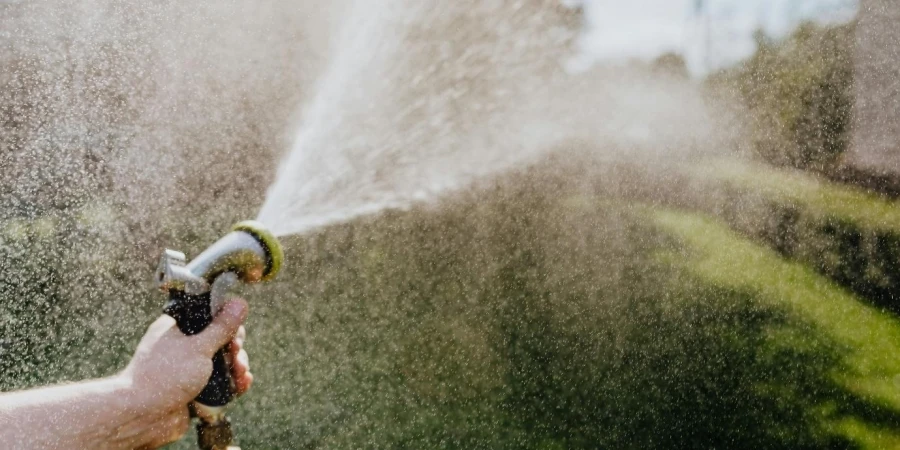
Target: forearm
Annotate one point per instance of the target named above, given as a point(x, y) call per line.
point(102, 413)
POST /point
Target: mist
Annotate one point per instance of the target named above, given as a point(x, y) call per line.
point(507, 224)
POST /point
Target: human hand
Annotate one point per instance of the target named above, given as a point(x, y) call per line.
point(169, 370)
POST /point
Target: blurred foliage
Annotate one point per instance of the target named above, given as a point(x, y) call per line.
point(799, 96)
point(845, 233)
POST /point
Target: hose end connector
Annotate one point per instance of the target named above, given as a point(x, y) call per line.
point(273, 249)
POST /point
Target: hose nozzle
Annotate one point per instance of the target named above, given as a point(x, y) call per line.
point(249, 253)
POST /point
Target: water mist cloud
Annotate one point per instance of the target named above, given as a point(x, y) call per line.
point(422, 98)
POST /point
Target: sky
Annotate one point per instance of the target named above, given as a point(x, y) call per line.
point(618, 30)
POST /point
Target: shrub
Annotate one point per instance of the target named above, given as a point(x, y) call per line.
point(798, 95)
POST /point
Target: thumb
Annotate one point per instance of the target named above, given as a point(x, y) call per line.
point(223, 327)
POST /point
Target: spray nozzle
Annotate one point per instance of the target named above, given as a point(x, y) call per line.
point(249, 253)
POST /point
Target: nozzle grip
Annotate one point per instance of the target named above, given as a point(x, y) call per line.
point(192, 314)
point(219, 390)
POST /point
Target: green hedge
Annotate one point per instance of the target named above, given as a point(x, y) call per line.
point(798, 94)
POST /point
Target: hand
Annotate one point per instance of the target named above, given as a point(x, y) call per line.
point(170, 369)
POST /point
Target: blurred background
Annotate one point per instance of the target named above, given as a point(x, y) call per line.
point(710, 34)
point(597, 224)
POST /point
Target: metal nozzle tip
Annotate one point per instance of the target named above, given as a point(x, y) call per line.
point(274, 252)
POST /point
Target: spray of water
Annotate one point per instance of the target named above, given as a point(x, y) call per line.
point(128, 126)
point(422, 98)
point(121, 123)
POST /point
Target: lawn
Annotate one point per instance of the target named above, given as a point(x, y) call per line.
point(870, 337)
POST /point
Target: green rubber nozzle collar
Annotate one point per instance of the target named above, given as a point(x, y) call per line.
point(274, 252)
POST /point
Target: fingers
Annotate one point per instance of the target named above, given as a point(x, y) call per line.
point(240, 369)
point(241, 364)
point(243, 384)
point(223, 328)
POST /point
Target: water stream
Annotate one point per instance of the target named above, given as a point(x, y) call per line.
point(423, 98)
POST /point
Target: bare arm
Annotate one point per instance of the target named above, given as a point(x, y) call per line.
point(145, 406)
point(103, 413)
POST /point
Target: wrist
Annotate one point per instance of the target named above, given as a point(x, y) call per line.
point(132, 398)
point(138, 414)
point(118, 405)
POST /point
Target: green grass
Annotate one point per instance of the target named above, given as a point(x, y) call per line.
point(871, 337)
point(845, 233)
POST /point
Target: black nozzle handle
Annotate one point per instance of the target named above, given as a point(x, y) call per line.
point(192, 314)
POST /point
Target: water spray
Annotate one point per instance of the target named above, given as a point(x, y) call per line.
point(250, 253)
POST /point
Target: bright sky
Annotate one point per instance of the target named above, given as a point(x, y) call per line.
point(624, 29)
